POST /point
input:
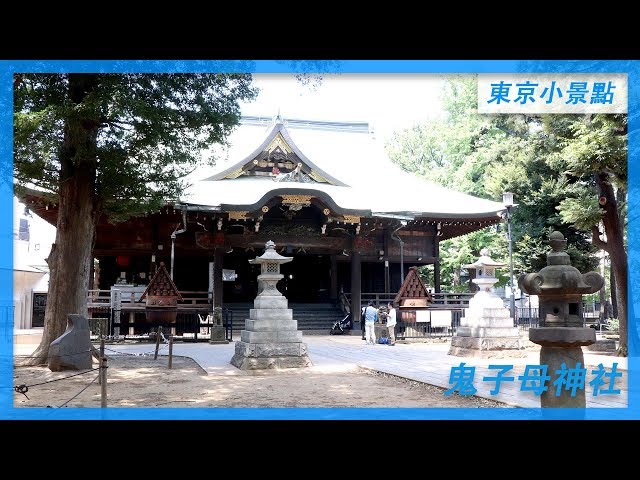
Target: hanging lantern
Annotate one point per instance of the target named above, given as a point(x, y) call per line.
point(122, 260)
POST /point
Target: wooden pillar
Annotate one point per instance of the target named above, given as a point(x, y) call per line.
point(333, 289)
point(218, 258)
point(387, 280)
point(132, 319)
point(356, 285)
point(436, 265)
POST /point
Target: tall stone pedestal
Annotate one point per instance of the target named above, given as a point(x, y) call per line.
point(271, 338)
point(562, 345)
point(380, 330)
point(486, 330)
point(217, 330)
point(217, 335)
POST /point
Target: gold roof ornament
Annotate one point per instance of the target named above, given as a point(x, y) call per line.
point(296, 202)
point(237, 215)
point(279, 142)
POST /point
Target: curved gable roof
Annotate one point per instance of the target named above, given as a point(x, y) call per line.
point(278, 139)
point(360, 177)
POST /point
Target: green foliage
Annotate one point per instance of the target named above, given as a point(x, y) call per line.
point(150, 131)
point(613, 325)
point(548, 163)
point(581, 209)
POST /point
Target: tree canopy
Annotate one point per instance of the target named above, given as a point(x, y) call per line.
point(113, 144)
point(148, 131)
point(567, 173)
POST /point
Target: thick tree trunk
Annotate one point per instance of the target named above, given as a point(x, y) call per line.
point(614, 300)
point(617, 254)
point(71, 255)
point(602, 317)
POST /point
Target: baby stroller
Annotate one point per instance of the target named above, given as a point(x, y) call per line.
point(341, 326)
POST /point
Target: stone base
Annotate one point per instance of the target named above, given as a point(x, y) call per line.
point(562, 346)
point(260, 356)
point(488, 332)
point(555, 358)
point(487, 347)
point(271, 363)
point(380, 330)
point(72, 349)
point(217, 336)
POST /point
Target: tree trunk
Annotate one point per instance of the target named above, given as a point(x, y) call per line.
point(71, 255)
point(614, 300)
point(617, 254)
point(602, 316)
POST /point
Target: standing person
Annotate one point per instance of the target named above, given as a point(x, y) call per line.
point(362, 322)
point(370, 317)
point(391, 323)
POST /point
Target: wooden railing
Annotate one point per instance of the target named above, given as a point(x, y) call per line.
point(440, 300)
point(345, 303)
point(100, 300)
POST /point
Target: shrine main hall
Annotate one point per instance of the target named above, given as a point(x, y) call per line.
point(324, 192)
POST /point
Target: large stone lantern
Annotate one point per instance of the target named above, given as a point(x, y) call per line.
point(271, 338)
point(562, 333)
point(486, 329)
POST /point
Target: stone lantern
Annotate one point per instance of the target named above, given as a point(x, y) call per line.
point(562, 333)
point(485, 278)
point(486, 330)
point(271, 338)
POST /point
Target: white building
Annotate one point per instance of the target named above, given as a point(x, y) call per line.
point(32, 240)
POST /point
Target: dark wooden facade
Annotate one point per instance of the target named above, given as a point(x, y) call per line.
point(323, 265)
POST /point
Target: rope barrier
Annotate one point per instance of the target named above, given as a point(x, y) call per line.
point(31, 356)
point(86, 386)
point(23, 389)
point(142, 354)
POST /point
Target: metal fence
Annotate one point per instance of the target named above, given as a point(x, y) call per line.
point(444, 322)
point(415, 324)
point(529, 317)
point(447, 300)
point(188, 325)
point(526, 318)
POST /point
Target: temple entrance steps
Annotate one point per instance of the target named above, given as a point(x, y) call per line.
point(313, 318)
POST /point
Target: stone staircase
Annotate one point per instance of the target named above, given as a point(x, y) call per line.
point(313, 318)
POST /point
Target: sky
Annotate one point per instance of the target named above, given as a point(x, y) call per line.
point(389, 102)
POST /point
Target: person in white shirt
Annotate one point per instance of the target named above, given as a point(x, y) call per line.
point(391, 323)
point(370, 317)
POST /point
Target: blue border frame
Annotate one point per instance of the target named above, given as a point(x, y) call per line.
point(7, 68)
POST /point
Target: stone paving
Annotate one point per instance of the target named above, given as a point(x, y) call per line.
point(423, 362)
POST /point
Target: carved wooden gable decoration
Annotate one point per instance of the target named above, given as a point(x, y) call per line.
point(413, 292)
point(281, 160)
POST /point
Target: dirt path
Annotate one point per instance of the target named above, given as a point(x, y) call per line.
point(136, 381)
